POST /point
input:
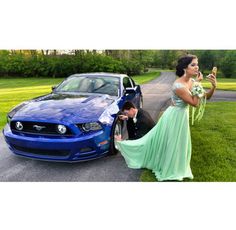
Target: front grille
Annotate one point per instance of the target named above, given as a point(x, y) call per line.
point(46, 128)
point(59, 153)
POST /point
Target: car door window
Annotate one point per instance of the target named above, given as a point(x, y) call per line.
point(127, 83)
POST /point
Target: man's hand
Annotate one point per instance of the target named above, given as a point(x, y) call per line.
point(123, 117)
point(118, 138)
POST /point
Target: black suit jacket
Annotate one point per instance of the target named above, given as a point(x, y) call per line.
point(143, 125)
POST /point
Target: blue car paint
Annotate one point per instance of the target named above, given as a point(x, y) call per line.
point(69, 110)
point(70, 145)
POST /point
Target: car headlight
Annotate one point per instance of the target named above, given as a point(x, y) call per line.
point(19, 126)
point(61, 129)
point(92, 126)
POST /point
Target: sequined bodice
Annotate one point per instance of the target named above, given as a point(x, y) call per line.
point(176, 100)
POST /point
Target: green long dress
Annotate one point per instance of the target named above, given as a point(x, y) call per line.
point(166, 148)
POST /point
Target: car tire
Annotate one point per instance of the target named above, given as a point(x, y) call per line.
point(116, 130)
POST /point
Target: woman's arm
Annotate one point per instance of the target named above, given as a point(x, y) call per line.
point(211, 78)
point(185, 95)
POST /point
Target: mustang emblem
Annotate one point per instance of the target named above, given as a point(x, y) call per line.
point(39, 128)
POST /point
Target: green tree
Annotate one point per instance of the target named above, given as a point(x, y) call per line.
point(228, 64)
point(206, 59)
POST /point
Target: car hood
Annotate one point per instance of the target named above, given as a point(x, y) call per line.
point(65, 108)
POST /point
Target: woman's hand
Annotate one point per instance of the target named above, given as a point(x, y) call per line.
point(211, 78)
point(199, 77)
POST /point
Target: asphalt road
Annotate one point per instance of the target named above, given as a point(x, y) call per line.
point(221, 95)
point(110, 168)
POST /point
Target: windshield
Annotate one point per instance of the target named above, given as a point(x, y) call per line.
point(90, 84)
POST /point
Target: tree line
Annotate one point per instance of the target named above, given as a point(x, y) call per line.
point(62, 63)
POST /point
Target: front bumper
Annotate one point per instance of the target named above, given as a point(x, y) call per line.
point(69, 149)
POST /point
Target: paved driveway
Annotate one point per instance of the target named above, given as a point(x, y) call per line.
point(221, 95)
point(110, 168)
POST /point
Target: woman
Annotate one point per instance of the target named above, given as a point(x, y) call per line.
point(166, 148)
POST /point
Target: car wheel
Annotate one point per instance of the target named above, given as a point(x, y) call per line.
point(116, 130)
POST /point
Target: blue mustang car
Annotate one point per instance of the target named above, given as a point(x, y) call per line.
point(77, 121)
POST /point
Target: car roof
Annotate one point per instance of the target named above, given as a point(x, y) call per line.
point(99, 74)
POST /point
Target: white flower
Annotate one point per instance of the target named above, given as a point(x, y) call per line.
point(197, 90)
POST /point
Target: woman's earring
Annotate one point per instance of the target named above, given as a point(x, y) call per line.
point(184, 72)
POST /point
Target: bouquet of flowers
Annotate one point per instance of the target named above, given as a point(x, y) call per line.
point(197, 90)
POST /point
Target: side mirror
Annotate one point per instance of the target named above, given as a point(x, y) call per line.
point(129, 90)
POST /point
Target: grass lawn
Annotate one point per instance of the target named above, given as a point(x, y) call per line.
point(146, 77)
point(16, 90)
point(222, 83)
point(214, 145)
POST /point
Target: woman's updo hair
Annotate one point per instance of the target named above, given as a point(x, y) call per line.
point(183, 63)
